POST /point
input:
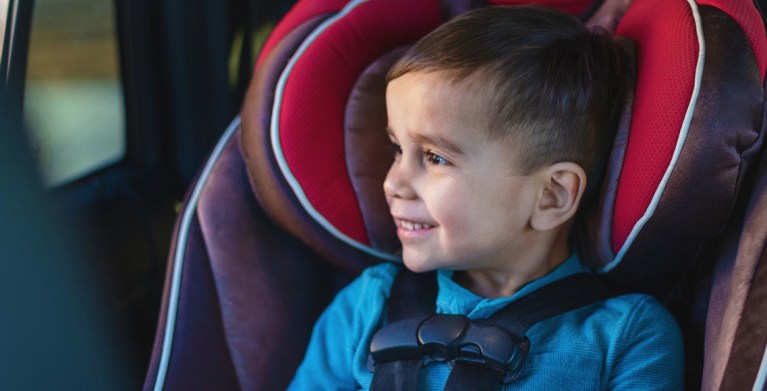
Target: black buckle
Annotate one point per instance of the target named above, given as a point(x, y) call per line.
point(450, 338)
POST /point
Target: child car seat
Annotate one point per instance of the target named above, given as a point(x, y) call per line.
point(289, 206)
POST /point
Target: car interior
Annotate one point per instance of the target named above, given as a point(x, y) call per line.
point(300, 171)
point(262, 224)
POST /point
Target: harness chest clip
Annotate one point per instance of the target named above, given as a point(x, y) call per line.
point(450, 339)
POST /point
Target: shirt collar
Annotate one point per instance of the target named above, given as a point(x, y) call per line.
point(455, 299)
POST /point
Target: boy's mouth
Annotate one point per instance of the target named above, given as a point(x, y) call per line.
point(407, 225)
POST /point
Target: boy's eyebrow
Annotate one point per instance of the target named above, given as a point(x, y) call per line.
point(440, 142)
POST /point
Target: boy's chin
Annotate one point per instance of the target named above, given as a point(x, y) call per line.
point(418, 267)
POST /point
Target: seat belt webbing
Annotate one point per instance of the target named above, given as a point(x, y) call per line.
point(466, 376)
point(412, 295)
point(400, 375)
point(564, 295)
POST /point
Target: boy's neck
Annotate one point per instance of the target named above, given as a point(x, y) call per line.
point(524, 269)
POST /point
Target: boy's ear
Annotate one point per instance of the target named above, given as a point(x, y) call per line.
point(559, 196)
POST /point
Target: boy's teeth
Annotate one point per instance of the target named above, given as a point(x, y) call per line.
point(413, 226)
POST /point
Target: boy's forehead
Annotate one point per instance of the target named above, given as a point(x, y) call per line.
point(434, 109)
point(433, 97)
point(439, 95)
point(438, 89)
point(439, 79)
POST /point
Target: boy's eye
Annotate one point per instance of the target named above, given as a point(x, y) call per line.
point(435, 159)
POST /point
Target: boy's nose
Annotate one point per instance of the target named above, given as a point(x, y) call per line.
point(397, 183)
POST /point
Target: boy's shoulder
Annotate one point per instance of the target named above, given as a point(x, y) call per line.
point(630, 316)
point(376, 280)
point(635, 304)
point(383, 270)
point(379, 275)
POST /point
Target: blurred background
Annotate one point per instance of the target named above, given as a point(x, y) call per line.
point(107, 110)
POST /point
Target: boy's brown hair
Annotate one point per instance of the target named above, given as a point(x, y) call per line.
point(557, 89)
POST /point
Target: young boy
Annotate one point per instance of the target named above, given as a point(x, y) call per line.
point(501, 118)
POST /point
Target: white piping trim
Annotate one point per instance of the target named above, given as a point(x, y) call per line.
point(277, 147)
point(679, 144)
point(761, 376)
point(178, 258)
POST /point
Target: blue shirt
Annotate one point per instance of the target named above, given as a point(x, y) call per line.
point(629, 342)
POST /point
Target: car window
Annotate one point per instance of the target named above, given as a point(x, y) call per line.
point(3, 20)
point(73, 99)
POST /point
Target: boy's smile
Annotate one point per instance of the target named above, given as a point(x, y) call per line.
point(410, 229)
point(455, 194)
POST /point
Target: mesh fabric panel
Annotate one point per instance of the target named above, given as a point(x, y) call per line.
point(667, 55)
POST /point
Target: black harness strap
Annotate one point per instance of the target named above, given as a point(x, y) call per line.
point(400, 375)
point(413, 296)
point(467, 376)
point(564, 295)
point(484, 353)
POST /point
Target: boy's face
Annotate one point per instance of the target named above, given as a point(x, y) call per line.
point(455, 194)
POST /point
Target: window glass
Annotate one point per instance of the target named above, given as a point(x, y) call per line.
point(4, 11)
point(73, 100)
